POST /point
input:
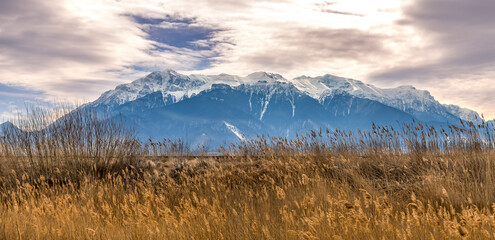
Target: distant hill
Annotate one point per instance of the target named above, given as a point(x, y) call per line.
point(5, 126)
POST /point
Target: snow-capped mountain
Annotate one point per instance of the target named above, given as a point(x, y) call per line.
point(175, 86)
point(225, 108)
point(419, 103)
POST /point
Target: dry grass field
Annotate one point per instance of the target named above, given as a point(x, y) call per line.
point(92, 180)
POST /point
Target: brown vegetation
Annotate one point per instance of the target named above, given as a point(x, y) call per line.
point(91, 180)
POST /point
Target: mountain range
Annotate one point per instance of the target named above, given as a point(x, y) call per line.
point(217, 109)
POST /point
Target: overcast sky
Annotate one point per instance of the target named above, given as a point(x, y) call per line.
point(77, 49)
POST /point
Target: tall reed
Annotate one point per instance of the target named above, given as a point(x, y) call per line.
point(416, 182)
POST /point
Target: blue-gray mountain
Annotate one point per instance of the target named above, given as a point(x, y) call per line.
point(216, 109)
point(5, 127)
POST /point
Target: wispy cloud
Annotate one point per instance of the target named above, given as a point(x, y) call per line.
point(14, 99)
point(78, 49)
point(458, 61)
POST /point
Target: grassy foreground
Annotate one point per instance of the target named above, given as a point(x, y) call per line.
point(383, 184)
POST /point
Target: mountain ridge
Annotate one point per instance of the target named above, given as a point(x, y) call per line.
point(224, 108)
point(175, 87)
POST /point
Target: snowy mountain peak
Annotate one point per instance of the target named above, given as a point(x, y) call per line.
point(463, 113)
point(169, 82)
point(264, 76)
point(327, 85)
point(407, 87)
point(169, 71)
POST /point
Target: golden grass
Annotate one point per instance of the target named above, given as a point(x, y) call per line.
point(315, 187)
point(303, 197)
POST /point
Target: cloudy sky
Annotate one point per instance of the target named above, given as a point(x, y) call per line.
point(77, 49)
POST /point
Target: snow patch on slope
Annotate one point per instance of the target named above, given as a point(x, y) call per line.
point(291, 100)
point(265, 106)
point(234, 130)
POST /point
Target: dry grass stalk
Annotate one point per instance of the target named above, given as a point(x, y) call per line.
point(99, 183)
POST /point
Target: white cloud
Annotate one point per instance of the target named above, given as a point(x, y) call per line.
point(80, 48)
